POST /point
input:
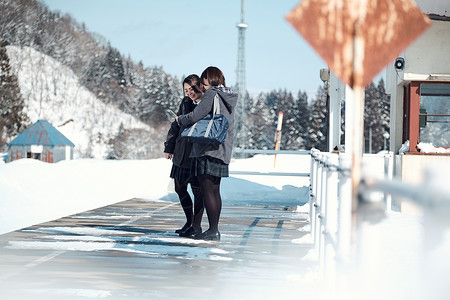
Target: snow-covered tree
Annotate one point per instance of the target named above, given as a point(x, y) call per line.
point(13, 118)
point(295, 122)
point(318, 127)
point(261, 125)
point(242, 126)
point(376, 116)
point(263, 117)
point(385, 109)
point(302, 117)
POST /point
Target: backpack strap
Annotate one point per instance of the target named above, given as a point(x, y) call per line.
point(216, 110)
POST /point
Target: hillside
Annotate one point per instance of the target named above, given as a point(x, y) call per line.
point(115, 106)
point(52, 91)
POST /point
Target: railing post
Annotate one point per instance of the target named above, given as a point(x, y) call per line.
point(330, 223)
point(317, 203)
point(318, 191)
point(312, 191)
point(322, 211)
point(388, 175)
point(344, 221)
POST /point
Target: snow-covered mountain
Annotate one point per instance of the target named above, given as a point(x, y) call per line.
point(51, 91)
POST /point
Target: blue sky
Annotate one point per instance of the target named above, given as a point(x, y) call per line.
point(185, 37)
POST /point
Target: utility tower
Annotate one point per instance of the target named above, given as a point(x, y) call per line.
point(241, 134)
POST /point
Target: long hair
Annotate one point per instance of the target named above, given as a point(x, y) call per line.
point(194, 82)
point(214, 76)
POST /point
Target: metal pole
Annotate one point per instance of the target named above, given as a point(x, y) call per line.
point(336, 91)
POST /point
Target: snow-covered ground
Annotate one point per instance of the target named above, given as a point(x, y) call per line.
point(398, 255)
point(33, 192)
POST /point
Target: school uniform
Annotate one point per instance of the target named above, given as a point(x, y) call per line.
point(212, 159)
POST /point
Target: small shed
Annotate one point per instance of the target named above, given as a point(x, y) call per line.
point(41, 141)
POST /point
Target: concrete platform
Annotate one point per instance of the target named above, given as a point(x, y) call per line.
point(129, 251)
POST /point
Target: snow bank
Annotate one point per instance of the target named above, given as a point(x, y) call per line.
point(32, 191)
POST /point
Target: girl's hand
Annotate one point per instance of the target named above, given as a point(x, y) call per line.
point(168, 155)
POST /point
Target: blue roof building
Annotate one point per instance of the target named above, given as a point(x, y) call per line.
point(41, 141)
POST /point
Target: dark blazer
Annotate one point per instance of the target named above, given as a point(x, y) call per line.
point(179, 147)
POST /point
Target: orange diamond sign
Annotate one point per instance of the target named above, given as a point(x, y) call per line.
point(335, 28)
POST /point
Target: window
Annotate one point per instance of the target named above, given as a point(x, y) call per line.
point(434, 114)
point(33, 155)
point(427, 114)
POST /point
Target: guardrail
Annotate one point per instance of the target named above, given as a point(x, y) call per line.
point(338, 234)
point(331, 205)
point(330, 214)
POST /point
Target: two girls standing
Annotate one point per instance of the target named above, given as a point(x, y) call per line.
point(209, 163)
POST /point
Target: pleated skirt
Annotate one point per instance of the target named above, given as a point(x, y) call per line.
point(207, 165)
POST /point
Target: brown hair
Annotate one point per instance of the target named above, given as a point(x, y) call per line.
point(214, 76)
point(194, 81)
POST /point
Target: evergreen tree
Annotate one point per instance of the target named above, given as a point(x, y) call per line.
point(114, 67)
point(296, 123)
point(302, 118)
point(242, 126)
point(385, 111)
point(318, 127)
point(287, 105)
point(263, 117)
point(13, 119)
point(376, 117)
point(261, 125)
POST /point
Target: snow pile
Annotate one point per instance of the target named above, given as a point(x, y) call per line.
point(33, 191)
point(404, 148)
point(423, 148)
point(430, 148)
point(51, 91)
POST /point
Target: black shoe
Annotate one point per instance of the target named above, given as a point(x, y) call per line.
point(190, 232)
point(185, 227)
point(208, 236)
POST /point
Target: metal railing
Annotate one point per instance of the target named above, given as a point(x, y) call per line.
point(331, 204)
point(336, 230)
point(329, 212)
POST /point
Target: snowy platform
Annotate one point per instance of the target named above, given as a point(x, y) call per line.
point(129, 250)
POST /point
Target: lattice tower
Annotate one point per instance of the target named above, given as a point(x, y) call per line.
point(241, 128)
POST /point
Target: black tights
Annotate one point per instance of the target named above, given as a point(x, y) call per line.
point(193, 217)
point(210, 186)
point(198, 206)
